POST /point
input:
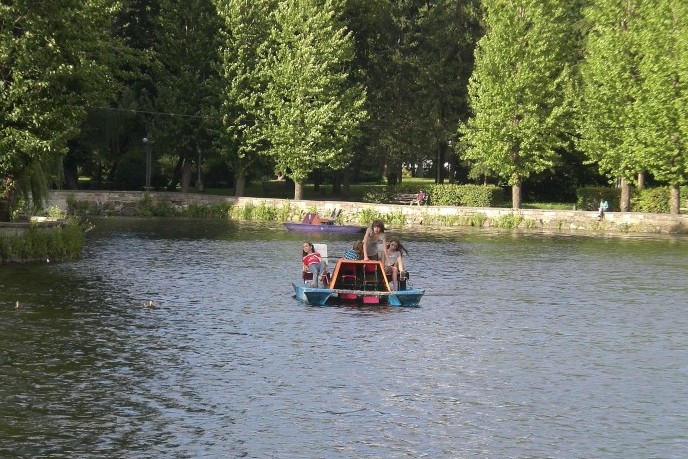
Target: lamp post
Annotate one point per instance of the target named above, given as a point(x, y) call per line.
point(148, 143)
point(199, 181)
point(451, 163)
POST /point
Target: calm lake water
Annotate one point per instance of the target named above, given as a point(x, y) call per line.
point(525, 346)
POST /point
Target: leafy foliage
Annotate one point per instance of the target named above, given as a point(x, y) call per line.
point(312, 111)
point(651, 200)
point(415, 61)
point(611, 89)
point(245, 33)
point(521, 89)
point(385, 194)
point(55, 243)
point(509, 221)
point(589, 197)
point(52, 65)
point(185, 82)
point(311, 88)
point(467, 195)
point(633, 116)
point(663, 103)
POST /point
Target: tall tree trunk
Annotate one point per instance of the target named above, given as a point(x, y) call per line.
point(516, 195)
point(298, 190)
point(439, 172)
point(453, 164)
point(239, 184)
point(199, 170)
point(8, 196)
point(337, 183)
point(346, 184)
point(641, 179)
point(391, 173)
point(176, 175)
point(625, 204)
point(186, 176)
point(317, 180)
point(4, 210)
point(675, 199)
point(71, 176)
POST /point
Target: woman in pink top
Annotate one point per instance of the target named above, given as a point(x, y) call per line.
point(312, 262)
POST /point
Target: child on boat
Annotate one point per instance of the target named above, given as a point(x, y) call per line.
point(356, 252)
point(312, 262)
point(375, 242)
point(395, 261)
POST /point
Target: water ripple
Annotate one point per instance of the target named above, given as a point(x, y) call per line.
point(525, 346)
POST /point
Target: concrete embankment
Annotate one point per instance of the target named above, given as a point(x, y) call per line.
point(116, 203)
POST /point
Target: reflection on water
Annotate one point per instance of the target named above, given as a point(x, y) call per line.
point(526, 345)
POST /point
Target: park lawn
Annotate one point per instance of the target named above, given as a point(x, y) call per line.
point(549, 205)
point(279, 189)
point(285, 190)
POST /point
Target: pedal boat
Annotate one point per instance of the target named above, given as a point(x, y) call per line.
point(357, 282)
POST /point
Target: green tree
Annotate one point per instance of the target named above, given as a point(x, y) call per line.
point(186, 83)
point(520, 91)
point(109, 148)
point(312, 109)
point(446, 35)
point(246, 30)
point(663, 102)
point(398, 132)
point(368, 21)
point(416, 57)
point(53, 64)
point(608, 114)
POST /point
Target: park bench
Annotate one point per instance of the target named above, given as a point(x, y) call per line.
point(407, 199)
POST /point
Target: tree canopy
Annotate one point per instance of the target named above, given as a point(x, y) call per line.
point(312, 110)
point(632, 116)
point(521, 89)
point(54, 62)
point(517, 91)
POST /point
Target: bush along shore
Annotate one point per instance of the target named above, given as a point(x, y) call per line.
point(170, 204)
point(46, 241)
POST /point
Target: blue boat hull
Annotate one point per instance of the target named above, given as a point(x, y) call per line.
point(330, 296)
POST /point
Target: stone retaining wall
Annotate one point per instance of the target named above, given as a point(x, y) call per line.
point(423, 215)
point(19, 228)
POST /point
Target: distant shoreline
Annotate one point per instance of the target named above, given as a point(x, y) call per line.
point(120, 203)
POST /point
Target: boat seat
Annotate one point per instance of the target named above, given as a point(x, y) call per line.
point(348, 276)
point(372, 277)
point(322, 250)
point(308, 218)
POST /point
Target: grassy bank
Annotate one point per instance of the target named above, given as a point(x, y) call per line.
point(33, 243)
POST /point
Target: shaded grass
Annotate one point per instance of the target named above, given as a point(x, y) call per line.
point(549, 205)
point(285, 190)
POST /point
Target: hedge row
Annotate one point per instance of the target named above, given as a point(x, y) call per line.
point(466, 195)
point(656, 199)
point(589, 198)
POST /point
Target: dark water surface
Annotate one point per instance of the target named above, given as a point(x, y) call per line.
point(525, 346)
